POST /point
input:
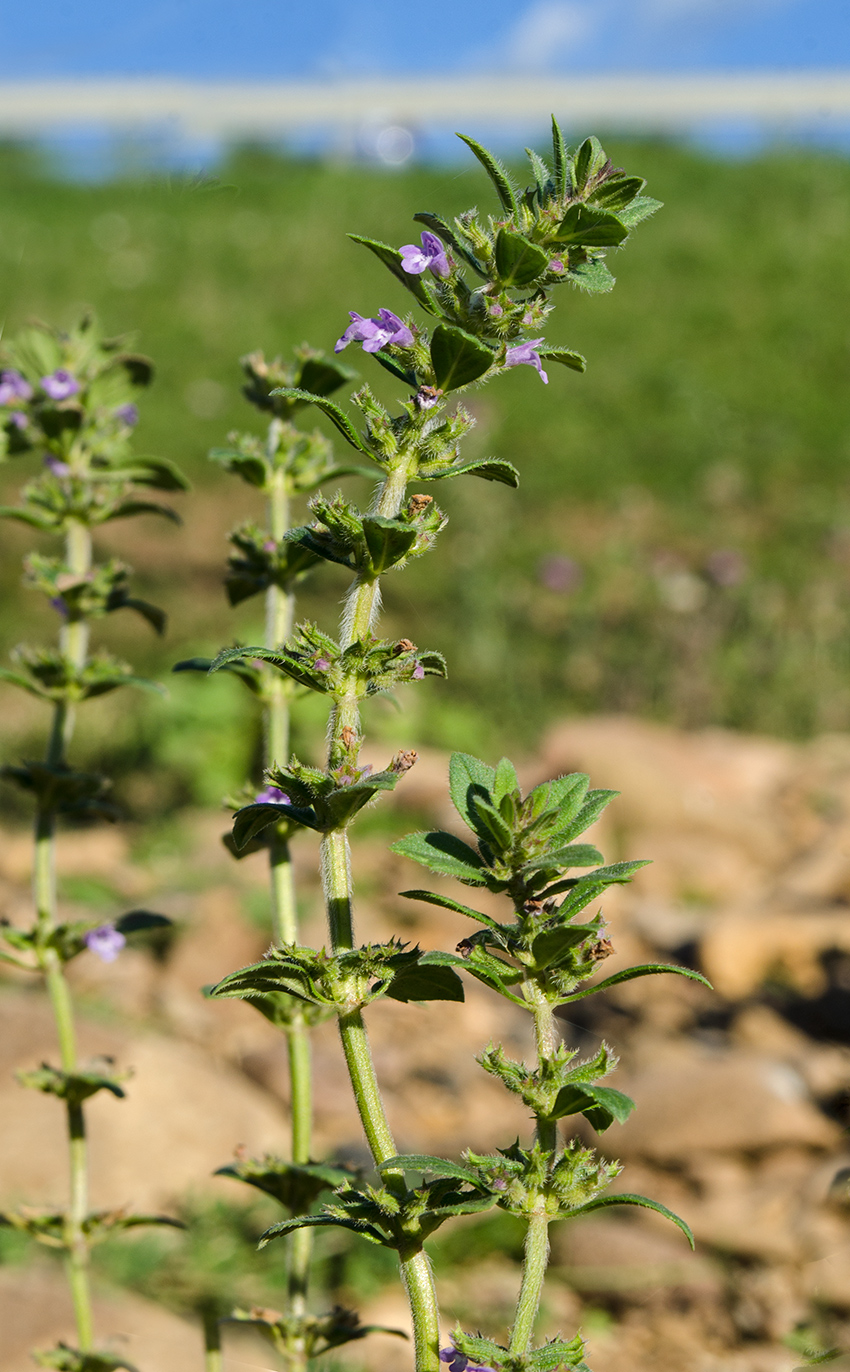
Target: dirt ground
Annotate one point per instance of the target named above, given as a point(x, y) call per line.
point(742, 1093)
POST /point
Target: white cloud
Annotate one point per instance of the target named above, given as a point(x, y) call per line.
point(547, 32)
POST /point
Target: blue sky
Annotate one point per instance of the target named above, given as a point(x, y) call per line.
point(337, 38)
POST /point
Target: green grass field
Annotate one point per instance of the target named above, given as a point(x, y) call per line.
point(695, 477)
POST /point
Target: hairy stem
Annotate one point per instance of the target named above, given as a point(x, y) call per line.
point(535, 1260)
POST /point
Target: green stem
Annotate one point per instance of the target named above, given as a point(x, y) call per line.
point(78, 1248)
point(212, 1341)
point(533, 1274)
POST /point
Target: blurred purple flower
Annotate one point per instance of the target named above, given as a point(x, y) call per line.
point(459, 1362)
point(559, 573)
point(321, 664)
point(128, 414)
point(271, 795)
point(56, 466)
point(19, 420)
point(524, 353)
point(13, 387)
point(58, 604)
point(60, 384)
point(432, 254)
point(269, 546)
point(726, 567)
point(375, 333)
point(105, 941)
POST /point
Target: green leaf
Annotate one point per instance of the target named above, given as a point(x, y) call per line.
point(554, 1356)
point(639, 210)
point(504, 186)
point(253, 819)
point(469, 776)
point(519, 261)
point(136, 920)
point(490, 468)
point(36, 521)
point(333, 412)
point(552, 946)
point(129, 508)
point(392, 258)
point(252, 469)
point(589, 159)
point(625, 1198)
point(505, 780)
point(424, 981)
point(395, 368)
point(576, 855)
point(592, 276)
point(647, 969)
point(445, 854)
point(585, 227)
point(457, 357)
point(446, 903)
point(601, 1105)
point(489, 824)
point(24, 682)
point(362, 1227)
point(559, 158)
point(542, 175)
point(618, 192)
point(425, 1162)
point(565, 356)
point(388, 541)
point(321, 375)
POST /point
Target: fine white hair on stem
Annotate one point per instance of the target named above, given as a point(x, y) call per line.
point(349, 606)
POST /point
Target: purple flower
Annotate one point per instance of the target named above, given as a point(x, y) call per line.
point(559, 573)
point(105, 941)
point(322, 664)
point(59, 605)
point(60, 384)
point(56, 466)
point(556, 265)
point(418, 672)
point(524, 352)
point(128, 414)
point(19, 420)
point(459, 1362)
point(496, 309)
point(271, 795)
point(431, 255)
point(376, 333)
point(269, 546)
point(13, 387)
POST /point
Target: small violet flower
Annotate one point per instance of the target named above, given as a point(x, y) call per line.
point(19, 420)
point(322, 664)
point(376, 333)
point(459, 1362)
point(496, 309)
point(269, 546)
point(13, 387)
point(556, 265)
point(56, 466)
point(431, 255)
point(128, 414)
point(271, 795)
point(58, 604)
point(60, 384)
point(524, 352)
point(418, 672)
point(105, 941)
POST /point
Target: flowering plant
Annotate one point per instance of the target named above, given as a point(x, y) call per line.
point(487, 287)
point(68, 399)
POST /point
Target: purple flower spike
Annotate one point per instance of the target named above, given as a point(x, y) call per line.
point(60, 384)
point(524, 352)
point(375, 333)
point(431, 256)
point(56, 466)
point(128, 414)
point(459, 1362)
point(105, 941)
point(271, 795)
point(13, 387)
